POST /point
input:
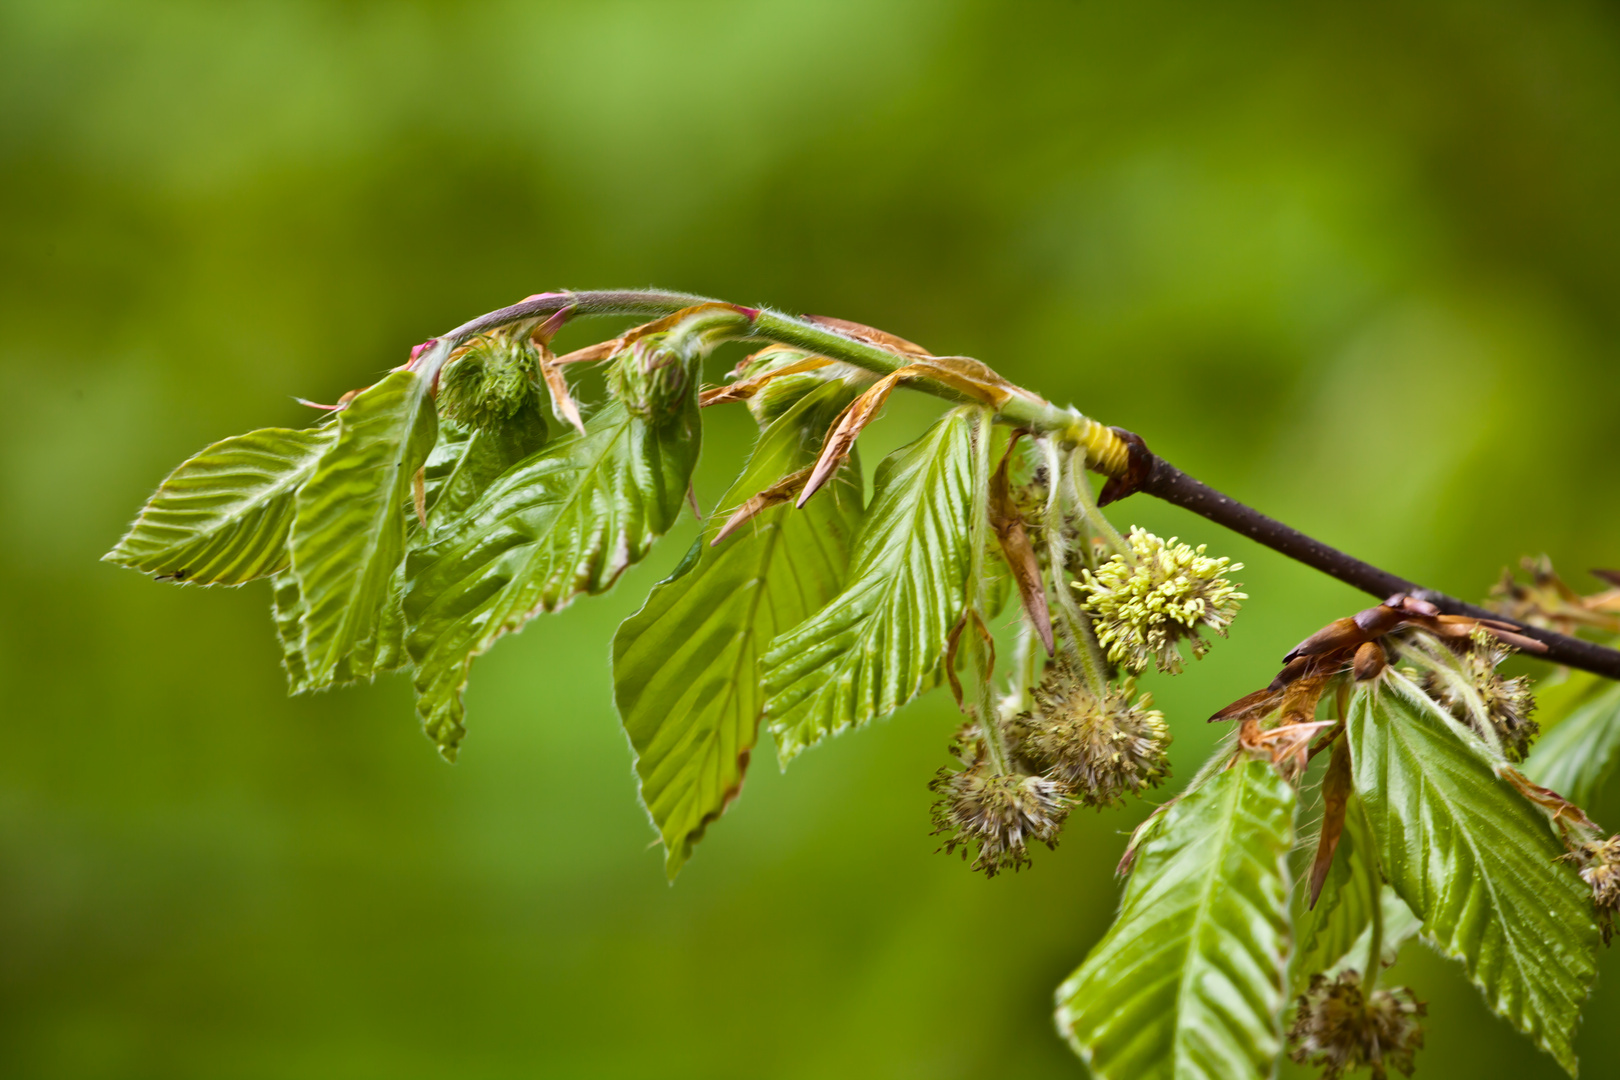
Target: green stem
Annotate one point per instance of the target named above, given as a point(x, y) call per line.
point(1025, 664)
point(1080, 490)
point(979, 651)
point(1023, 409)
point(1375, 935)
point(1077, 637)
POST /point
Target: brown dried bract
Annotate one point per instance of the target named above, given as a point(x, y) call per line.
point(743, 389)
point(778, 493)
point(1013, 537)
point(869, 335)
point(1336, 787)
point(1355, 642)
point(1546, 600)
point(562, 401)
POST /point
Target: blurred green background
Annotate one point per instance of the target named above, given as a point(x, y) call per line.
point(1354, 263)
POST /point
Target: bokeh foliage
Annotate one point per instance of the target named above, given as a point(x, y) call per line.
point(1353, 263)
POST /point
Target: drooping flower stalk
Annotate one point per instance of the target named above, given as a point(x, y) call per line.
point(1078, 635)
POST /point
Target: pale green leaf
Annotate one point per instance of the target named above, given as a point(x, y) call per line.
point(1188, 982)
point(685, 667)
point(879, 642)
point(467, 460)
point(1577, 756)
point(564, 521)
point(1474, 861)
point(348, 538)
point(221, 518)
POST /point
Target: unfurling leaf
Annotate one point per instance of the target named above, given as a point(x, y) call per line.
point(566, 520)
point(1474, 861)
point(1577, 756)
point(879, 642)
point(686, 666)
point(1189, 981)
point(222, 517)
point(348, 536)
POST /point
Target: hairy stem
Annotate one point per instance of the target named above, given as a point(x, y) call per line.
point(1080, 491)
point(1375, 928)
point(1107, 451)
point(1077, 635)
point(980, 654)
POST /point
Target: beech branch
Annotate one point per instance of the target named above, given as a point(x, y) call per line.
point(1117, 454)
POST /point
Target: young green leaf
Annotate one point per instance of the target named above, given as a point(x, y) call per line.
point(563, 521)
point(348, 537)
point(1577, 756)
point(879, 642)
point(467, 460)
point(685, 667)
point(1188, 982)
point(1474, 861)
point(222, 517)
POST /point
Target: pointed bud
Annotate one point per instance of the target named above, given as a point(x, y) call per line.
point(1339, 1029)
point(1144, 609)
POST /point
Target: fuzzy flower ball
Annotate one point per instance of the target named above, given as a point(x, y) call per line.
point(1508, 702)
point(1102, 750)
point(490, 382)
point(996, 815)
point(1340, 1029)
point(1600, 868)
point(1144, 609)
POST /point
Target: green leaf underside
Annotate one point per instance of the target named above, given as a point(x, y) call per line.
point(1188, 983)
point(1327, 932)
point(1474, 861)
point(685, 667)
point(878, 644)
point(1577, 756)
point(221, 518)
point(566, 520)
point(348, 537)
